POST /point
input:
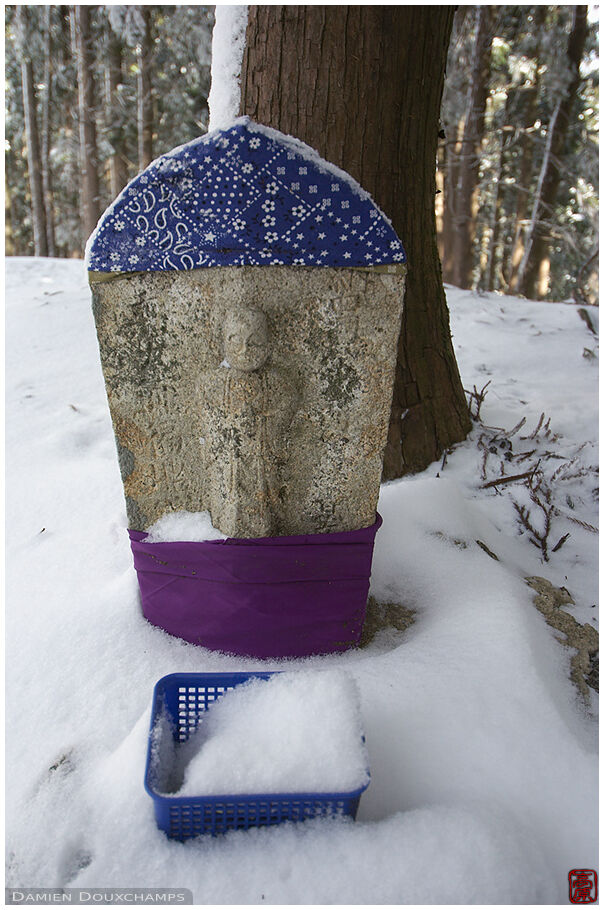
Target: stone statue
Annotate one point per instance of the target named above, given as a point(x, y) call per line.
point(247, 408)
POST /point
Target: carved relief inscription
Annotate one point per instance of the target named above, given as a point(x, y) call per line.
point(247, 406)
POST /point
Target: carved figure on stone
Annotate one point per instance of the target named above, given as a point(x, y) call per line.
point(247, 407)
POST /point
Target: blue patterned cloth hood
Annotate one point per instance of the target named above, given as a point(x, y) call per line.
point(244, 195)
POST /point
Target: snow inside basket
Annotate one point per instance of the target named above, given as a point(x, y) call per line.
point(282, 747)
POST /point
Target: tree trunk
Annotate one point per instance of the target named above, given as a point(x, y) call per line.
point(533, 277)
point(145, 92)
point(527, 142)
point(46, 138)
point(118, 171)
point(10, 246)
point(34, 161)
point(523, 186)
point(363, 86)
point(468, 153)
point(439, 208)
point(498, 214)
point(450, 177)
point(89, 172)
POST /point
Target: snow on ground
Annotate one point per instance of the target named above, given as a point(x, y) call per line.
point(483, 759)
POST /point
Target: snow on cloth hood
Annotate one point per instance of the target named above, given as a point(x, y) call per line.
point(244, 195)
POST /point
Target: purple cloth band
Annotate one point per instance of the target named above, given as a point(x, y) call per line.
point(268, 597)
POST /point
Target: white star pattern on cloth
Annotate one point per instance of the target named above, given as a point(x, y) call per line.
point(210, 203)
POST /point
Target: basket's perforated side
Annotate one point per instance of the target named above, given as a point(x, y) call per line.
point(201, 817)
point(192, 702)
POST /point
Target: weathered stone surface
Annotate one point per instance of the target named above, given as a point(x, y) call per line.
point(284, 441)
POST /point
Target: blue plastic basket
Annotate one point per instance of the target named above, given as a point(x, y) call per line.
point(179, 702)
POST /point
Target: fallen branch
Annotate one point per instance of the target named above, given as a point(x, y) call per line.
point(510, 478)
point(560, 543)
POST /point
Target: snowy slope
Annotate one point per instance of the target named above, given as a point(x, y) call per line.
point(483, 759)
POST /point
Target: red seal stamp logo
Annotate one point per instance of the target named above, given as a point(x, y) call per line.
point(582, 886)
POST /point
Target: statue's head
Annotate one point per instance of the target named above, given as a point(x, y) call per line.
point(246, 339)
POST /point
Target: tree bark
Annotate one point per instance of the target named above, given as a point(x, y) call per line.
point(468, 152)
point(89, 171)
point(118, 170)
point(527, 141)
point(34, 161)
point(10, 246)
point(523, 185)
point(533, 277)
point(498, 213)
point(363, 86)
point(450, 177)
point(439, 208)
point(145, 92)
point(46, 137)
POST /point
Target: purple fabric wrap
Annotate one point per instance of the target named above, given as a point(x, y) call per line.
point(268, 597)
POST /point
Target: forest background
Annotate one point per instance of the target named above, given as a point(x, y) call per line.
point(94, 93)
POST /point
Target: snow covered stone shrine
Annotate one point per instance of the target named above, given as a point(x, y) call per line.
point(248, 298)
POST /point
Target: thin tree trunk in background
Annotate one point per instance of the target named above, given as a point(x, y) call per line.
point(527, 141)
point(528, 283)
point(46, 138)
point(533, 276)
point(450, 176)
point(498, 213)
point(89, 172)
point(34, 163)
point(10, 247)
point(145, 93)
point(118, 172)
point(469, 150)
point(441, 168)
point(523, 185)
point(496, 227)
point(363, 86)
